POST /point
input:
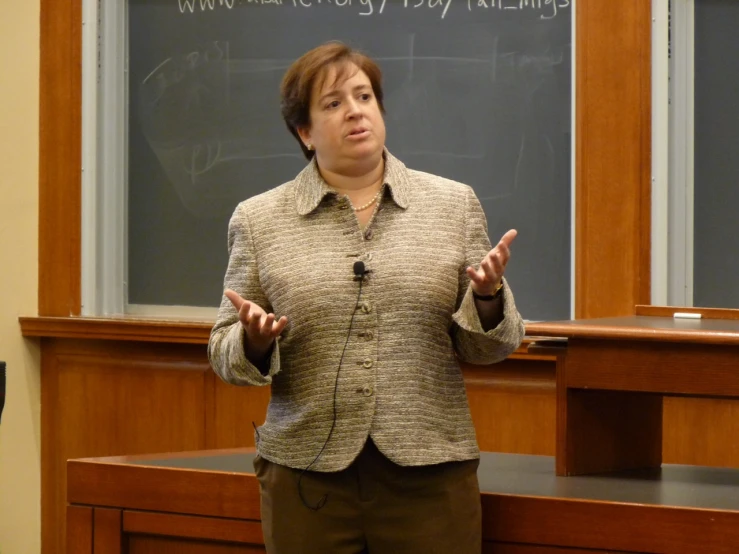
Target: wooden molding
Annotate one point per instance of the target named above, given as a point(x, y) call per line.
point(607, 527)
point(150, 488)
point(108, 534)
point(117, 328)
point(173, 331)
point(652, 334)
point(80, 537)
point(60, 165)
point(193, 527)
point(613, 153)
point(706, 313)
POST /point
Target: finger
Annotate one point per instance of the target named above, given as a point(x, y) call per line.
point(279, 326)
point(267, 325)
point(235, 299)
point(504, 252)
point(252, 322)
point(262, 325)
point(246, 309)
point(491, 276)
point(497, 265)
point(507, 239)
point(477, 277)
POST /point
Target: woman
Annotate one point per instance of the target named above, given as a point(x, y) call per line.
point(368, 445)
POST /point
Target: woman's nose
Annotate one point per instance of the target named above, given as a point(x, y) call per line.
point(353, 108)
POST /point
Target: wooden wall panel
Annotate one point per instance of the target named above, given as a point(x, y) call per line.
point(103, 399)
point(107, 398)
point(113, 398)
point(60, 147)
point(701, 431)
point(513, 406)
point(234, 413)
point(613, 153)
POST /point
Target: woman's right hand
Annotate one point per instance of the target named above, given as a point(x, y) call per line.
point(260, 327)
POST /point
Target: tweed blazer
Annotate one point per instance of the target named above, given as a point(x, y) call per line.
point(396, 348)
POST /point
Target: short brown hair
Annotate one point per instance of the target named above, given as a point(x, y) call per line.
point(311, 69)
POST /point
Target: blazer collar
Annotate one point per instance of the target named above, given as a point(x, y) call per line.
point(310, 188)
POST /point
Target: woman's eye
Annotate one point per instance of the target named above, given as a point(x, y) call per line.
point(365, 96)
point(333, 104)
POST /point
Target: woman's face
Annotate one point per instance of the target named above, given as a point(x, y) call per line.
point(346, 130)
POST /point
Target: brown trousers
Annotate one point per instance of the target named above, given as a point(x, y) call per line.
point(372, 507)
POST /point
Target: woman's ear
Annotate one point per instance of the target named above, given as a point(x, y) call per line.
point(304, 134)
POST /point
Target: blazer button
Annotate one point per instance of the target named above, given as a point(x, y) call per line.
point(366, 307)
point(367, 363)
point(368, 335)
point(367, 391)
point(368, 234)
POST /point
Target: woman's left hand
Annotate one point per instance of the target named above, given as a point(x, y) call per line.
point(488, 278)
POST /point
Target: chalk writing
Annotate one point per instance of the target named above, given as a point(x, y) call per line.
point(547, 9)
point(204, 5)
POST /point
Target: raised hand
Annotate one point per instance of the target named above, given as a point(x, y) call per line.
point(488, 278)
point(260, 327)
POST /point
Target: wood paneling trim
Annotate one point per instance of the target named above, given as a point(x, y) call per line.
point(52, 470)
point(652, 334)
point(178, 331)
point(60, 146)
point(118, 328)
point(79, 531)
point(669, 311)
point(139, 487)
point(613, 152)
point(108, 536)
point(513, 377)
point(678, 369)
point(608, 525)
point(193, 527)
point(642, 272)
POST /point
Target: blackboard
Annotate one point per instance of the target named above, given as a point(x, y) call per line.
point(716, 164)
point(475, 90)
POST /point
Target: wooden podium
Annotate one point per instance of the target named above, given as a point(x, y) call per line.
point(612, 374)
point(207, 502)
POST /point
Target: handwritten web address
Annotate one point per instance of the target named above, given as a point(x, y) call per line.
point(549, 8)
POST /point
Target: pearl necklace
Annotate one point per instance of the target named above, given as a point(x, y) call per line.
point(368, 204)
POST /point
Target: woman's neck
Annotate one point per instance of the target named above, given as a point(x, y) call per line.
point(351, 185)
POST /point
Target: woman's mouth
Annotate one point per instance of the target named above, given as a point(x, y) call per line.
point(357, 134)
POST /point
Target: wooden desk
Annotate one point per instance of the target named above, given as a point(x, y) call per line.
point(612, 374)
point(208, 503)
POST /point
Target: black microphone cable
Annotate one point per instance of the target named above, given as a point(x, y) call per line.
point(359, 272)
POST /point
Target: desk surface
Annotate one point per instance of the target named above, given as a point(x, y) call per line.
point(640, 327)
point(521, 475)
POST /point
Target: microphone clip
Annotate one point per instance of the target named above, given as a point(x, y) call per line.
point(360, 270)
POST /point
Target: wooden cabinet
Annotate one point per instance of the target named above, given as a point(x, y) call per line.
point(207, 502)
